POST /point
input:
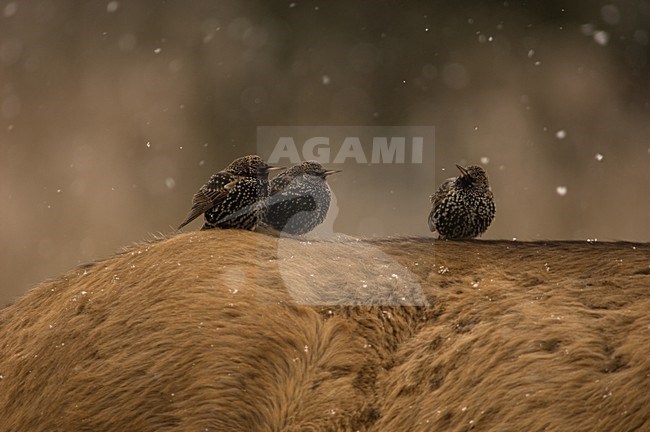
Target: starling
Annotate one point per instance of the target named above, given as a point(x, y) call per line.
point(298, 198)
point(463, 206)
point(234, 197)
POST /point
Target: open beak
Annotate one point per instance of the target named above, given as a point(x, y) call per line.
point(330, 172)
point(463, 170)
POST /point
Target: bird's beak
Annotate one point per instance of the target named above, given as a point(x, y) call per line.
point(275, 168)
point(463, 170)
point(330, 172)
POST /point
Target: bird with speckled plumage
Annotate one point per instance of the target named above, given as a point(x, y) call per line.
point(234, 197)
point(299, 198)
point(463, 206)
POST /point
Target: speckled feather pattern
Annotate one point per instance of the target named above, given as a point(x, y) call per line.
point(299, 199)
point(462, 207)
point(242, 208)
point(234, 197)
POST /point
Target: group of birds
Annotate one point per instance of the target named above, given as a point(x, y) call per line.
point(297, 200)
point(242, 196)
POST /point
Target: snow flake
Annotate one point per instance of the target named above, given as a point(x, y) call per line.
point(10, 9)
point(610, 13)
point(601, 37)
point(587, 29)
point(112, 6)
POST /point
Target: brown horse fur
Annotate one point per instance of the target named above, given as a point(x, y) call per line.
point(240, 331)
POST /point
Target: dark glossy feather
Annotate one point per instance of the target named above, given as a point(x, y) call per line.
point(210, 194)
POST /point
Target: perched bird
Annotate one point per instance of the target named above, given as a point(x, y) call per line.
point(463, 206)
point(234, 197)
point(298, 198)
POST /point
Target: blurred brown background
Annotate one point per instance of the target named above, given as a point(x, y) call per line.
point(113, 113)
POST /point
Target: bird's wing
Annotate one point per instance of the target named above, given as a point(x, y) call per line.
point(441, 192)
point(280, 182)
point(210, 194)
point(432, 226)
point(292, 199)
point(437, 198)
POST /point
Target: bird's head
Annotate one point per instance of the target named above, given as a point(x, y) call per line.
point(251, 166)
point(312, 168)
point(473, 176)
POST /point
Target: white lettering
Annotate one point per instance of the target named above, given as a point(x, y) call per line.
point(351, 148)
point(388, 153)
point(321, 145)
point(285, 148)
point(417, 146)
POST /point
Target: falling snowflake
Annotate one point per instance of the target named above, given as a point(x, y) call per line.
point(587, 29)
point(112, 6)
point(561, 190)
point(10, 9)
point(601, 37)
point(598, 157)
point(561, 134)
